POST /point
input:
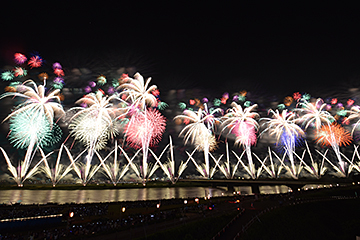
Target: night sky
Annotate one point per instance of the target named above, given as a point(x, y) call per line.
point(272, 48)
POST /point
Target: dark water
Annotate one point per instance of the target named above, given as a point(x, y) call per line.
point(114, 195)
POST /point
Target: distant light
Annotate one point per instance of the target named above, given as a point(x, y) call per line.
point(71, 214)
point(158, 205)
point(123, 209)
point(196, 200)
point(185, 201)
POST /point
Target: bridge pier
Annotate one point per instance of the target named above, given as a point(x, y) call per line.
point(230, 187)
point(255, 188)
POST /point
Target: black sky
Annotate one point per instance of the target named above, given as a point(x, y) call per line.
point(278, 48)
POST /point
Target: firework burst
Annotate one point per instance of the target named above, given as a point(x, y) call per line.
point(92, 135)
point(138, 92)
point(59, 72)
point(19, 58)
point(334, 135)
point(35, 62)
point(354, 114)
point(282, 122)
point(199, 132)
point(145, 130)
point(19, 72)
point(314, 114)
point(285, 129)
point(94, 124)
point(148, 126)
point(27, 126)
point(36, 100)
point(241, 122)
point(7, 75)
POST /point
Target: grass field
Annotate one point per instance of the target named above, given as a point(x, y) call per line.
point(203, 229)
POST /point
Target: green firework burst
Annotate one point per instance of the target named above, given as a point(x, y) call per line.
point(33, 126)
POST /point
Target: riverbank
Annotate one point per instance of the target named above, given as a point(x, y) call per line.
point(330, 213)
point(326, 218)
point(81, 221)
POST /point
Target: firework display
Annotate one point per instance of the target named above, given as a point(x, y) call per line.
point(242, 124)
point(118, 131)
point(285, 131)
point(200, 133)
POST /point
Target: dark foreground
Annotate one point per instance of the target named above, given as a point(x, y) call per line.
point(332, 213)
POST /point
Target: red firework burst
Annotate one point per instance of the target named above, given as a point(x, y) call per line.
point(59, 72)
point(145, 128)
point(333, 134)
point(296, 96)
point(35, 62)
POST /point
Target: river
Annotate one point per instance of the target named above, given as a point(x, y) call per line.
point(130, 194)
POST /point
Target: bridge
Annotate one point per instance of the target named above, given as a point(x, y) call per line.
point(256, 183)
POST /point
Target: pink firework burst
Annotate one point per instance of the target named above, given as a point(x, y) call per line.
point(59, 80)
point(245, 133)
point(87, 89)
point(35, 62)
point(20, 58)
point(145, 128)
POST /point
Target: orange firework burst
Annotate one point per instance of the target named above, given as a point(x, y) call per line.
point(333, 134)
point(288, 101)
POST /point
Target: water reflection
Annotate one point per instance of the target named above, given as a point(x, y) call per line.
point(243, 190)
point(273, 189)
point(114, 195)
point(316, 186)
